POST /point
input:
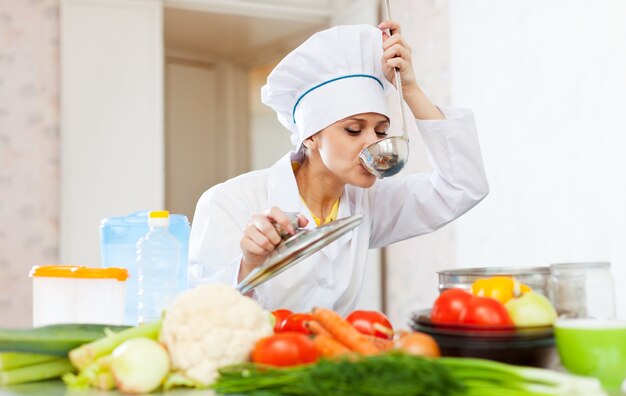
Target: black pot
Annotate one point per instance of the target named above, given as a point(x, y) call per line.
point(527, 346)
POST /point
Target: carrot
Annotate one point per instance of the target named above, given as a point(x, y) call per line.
point(316, 328)
point(382, 344)
point(328, 347)
point(344, 332)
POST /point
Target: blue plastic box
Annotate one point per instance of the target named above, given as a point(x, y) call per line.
point(118, 247)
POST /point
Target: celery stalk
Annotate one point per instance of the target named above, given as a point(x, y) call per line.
point(86, 354)
point(36, 372)
point(12, 360)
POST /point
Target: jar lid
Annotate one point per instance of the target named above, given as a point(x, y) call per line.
point(74, 271)
point(599, 265)
point(140, 219)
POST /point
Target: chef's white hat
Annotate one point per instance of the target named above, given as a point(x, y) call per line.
point(336, 73)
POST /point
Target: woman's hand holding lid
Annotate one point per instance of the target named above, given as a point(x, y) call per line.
point(260, 237)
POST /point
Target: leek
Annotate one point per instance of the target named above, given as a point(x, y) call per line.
point(56, 339)
point(12, 360)
point(36, 372)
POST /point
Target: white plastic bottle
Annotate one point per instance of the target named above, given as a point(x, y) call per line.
point(158, 264)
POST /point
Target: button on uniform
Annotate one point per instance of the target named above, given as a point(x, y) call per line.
point(323, 283)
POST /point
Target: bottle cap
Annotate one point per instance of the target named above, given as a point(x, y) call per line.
point(159, 214)
point(159, 218)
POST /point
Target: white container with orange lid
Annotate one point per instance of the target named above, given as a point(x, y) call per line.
point(73, 294)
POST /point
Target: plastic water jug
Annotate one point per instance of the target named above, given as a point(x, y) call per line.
point(158, 262)
point(118, 246)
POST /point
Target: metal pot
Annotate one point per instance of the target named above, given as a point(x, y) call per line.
point(537, 278)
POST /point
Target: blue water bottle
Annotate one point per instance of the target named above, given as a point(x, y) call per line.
point(158, 263)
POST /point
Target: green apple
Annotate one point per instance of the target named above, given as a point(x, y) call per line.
point(531, 309)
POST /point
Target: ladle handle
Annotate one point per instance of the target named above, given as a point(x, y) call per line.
point(396, 71)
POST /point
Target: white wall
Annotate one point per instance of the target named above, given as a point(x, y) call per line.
point(29, 151)
point(112, 117)
point(547, 82)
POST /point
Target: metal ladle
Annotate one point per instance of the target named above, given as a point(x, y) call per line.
point(387, 156)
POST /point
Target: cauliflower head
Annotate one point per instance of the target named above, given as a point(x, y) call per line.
point(210, 327)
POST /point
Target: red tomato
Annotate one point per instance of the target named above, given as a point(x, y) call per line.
point(285, 349)
point(450, 306)
point(295, 322)
point(364, 322)
point(487, 312)
point(280, 315)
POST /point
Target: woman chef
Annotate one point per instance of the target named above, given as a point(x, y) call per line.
point(330, 93)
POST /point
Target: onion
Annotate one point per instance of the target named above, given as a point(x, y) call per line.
point(418, 344)
point(139, 365)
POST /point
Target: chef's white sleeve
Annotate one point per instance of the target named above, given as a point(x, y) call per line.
point(214, 252)
point(407, 206)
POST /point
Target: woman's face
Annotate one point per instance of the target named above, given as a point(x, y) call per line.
point(339, 146)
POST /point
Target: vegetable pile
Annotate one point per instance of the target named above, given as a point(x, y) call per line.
point(213, 337)
point(498, 301)
point(204, 329)
point(361, 333)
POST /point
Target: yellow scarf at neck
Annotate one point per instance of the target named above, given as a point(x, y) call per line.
point(332, 216)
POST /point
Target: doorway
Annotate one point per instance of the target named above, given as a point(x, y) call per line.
point(215, 125)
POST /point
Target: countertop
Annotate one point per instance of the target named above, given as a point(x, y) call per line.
point(57, 388)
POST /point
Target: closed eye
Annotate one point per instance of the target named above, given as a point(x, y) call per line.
point(354, 132)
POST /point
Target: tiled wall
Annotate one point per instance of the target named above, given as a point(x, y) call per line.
point(29, 149)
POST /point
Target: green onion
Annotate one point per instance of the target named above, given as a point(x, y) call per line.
point(532, 381)
point(397, 374)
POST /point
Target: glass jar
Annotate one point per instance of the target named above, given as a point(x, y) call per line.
point(583, 290)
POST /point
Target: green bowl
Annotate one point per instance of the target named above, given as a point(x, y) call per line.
point(594, 348)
